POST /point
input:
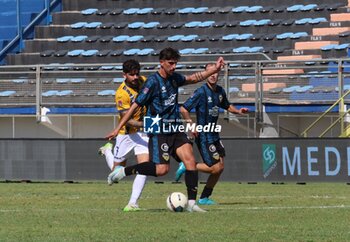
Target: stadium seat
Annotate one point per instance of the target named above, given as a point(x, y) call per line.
point(212, 10)
point(47, 53)
point(120, 38)
point(189, 38)
point(200, 50)
point(253, 9)
point(239, 9)
point(206, 24)
point(75, 53)
point(157, 11)
point(145, 52)
point(92, 25)
point(106, 39)
point(121, 25)
point(148, 38)
point(201, 38)
point(60, 53)
point(144, 11)
point(116, 53)
point(78, 25)
point(199, 10)
point(150, 25)
point(186, 51)
point(64, 39)
point(102, 12)
point(50, 93)
point(103, 53)
point(116, 11)
point(130, 11)
point(135, 25)
point(89, 53)
point(219, 24)
point(192, 24)
point(93, 38)
point(175, 38)
point(89, 11)
point(107, 25)
point(131, 52)
point(134, 38)
point(79, 38)
point(185, 10)
point(7, 93)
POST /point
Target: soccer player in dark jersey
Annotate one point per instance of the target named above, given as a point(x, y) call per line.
point(160, 95)
point(207, 101)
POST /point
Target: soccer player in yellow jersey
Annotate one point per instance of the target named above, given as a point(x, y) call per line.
point(130, 136)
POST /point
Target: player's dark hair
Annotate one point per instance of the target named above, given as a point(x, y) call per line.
point(169, 54)
point(131, 65)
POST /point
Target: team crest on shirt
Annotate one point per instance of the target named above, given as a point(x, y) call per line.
point(220, 98)
point(212, 148)
point(210, 100)
point(216, 156)
point(120, 103)
point(163, 89)
point(164, 147)
point(166, 156)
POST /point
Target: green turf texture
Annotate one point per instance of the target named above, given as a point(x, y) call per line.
point(246, 212)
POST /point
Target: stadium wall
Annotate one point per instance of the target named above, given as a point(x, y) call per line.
point(247, 160)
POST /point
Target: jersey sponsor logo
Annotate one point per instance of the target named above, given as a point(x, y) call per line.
point(212, 148)
point(171, 100)
point(164, 147)
point(163, 89)
point(214, 111)
point(210, 100)
point(220, 98)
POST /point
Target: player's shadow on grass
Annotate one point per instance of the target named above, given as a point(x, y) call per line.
point(234, 203)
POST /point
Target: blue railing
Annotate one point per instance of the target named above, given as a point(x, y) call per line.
point(44, 17)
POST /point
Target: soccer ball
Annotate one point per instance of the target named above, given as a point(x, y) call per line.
point(176, 202)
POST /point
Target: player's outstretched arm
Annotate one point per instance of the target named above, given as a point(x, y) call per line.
point(202, 75)
point(127, 116)
point(233, 109)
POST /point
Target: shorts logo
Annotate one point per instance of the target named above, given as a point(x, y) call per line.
point(164, 147)
point(212, 148)
point(269, 158)
point(151, 125)
point(216, 156)
point(166, 156)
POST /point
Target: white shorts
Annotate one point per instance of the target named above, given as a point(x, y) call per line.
point(125, 143)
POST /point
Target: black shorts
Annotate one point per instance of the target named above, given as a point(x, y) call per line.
point(162, 146)
point(211, 152)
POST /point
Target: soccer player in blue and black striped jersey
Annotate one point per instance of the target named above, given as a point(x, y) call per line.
point(160, 95)
point(207, 101)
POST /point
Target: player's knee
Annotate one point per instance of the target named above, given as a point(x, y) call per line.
point(162, 170)
point(218, 168)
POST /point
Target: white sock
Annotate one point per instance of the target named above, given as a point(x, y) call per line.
point(137, 187)
point(109, 158)
point(191, 203)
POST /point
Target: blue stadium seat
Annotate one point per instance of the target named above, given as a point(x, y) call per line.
point(64, 93)
point(144, 11)
point(199, 10)
point(135, 25)
point(64, 39)
point(131, 52)
point(192, 24)
point(88, 53)
point(317, 20)
point(106, 93)
point(253, 9)
point(233, 89)
point(255, 49)
point(247, 23)
point(298, 35)
point(262, 22)
point(92, 25)
point(308, 7)
point(328, 47)
point(118, 80)
point(89, 11)
point(50, 93)
point(189, 38)
point(294, 8)
point(200, 50)
point(284, 35)
point(206, 24)
point(175, 38)
point(186, 10)
point(229, 37)
point(106, 68)
point(134, 38)
point(77, 80)
point(7, 93)
point(78, 25)
point(303, 89)
point(62, 80)
point(302, 21)
point(120, 38)
point(239, 9)
point(145, 52)
point(186, 51)
point(74, 53)
point(240, 49)
point(290, 89)
point(243, 36)
point(130, 11)
point(79, 38)
point(150, 25)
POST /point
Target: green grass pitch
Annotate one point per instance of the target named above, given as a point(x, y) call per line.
point(93, 212)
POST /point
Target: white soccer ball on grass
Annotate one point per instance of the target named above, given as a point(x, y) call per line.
point(176, 202)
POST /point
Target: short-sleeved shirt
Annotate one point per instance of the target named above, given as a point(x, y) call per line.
point(124, 98)
point(207, 104)
point(160, 96)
